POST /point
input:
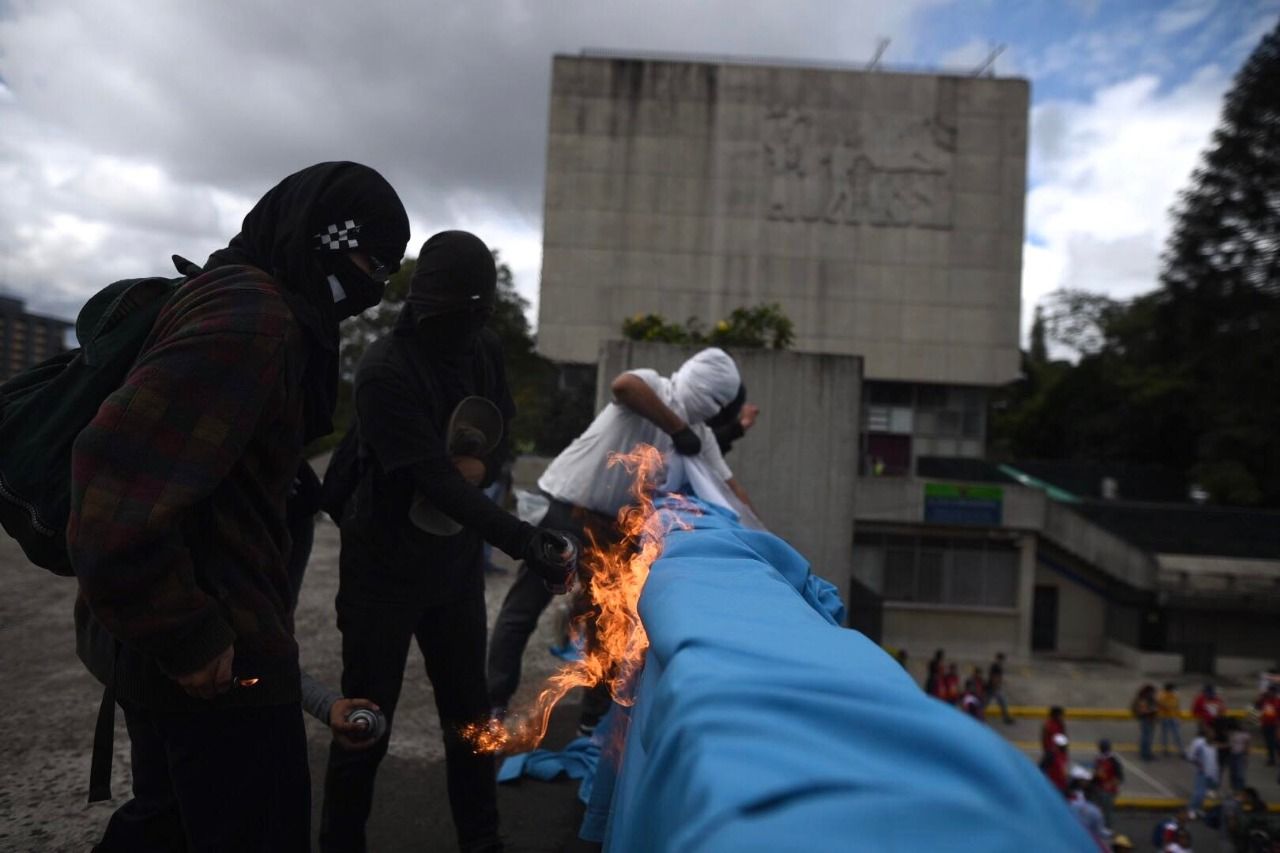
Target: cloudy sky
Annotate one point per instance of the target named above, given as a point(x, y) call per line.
point(133, 130)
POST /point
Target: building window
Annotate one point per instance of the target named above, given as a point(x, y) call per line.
point(937, 420)
point(887, 455)
point(958, 571)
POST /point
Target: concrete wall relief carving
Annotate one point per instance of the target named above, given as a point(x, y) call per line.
point(884, 173)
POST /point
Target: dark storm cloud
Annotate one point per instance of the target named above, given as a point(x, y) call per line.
point(447, 97)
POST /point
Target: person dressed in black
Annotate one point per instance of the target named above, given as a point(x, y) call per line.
point(178, 531)
point(399, 582)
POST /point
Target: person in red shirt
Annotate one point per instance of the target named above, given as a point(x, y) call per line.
point(1054, 725)
point(1055, 762)
point(1208, 706)
point(950, 686)
point(1108, 773)
point(933, 683)
point(1268, 705)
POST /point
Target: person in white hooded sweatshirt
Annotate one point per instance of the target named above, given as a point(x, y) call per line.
point(585, 493)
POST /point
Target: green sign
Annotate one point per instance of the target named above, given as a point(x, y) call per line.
point(963, 503)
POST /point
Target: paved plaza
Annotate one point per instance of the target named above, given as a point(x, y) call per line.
point(53, 702)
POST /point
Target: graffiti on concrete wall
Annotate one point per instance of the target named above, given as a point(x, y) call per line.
point(879, 174)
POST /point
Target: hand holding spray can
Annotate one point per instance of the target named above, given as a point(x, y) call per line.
point(372, 723)
point(556, 560)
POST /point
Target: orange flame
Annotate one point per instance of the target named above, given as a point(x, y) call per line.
point(618, 574)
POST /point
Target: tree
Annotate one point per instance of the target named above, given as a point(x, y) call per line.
point(1039, 353)
point(1227, 235)
point(1184, 376)
point(1218, 312)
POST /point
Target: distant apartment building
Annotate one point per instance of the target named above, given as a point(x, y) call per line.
point(27, 339)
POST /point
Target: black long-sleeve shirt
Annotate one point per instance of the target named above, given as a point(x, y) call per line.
point(404, 396)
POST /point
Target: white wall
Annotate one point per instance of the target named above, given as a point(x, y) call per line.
point(966, 634)
point(1082, 615)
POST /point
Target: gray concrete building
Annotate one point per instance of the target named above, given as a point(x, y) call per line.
point(1028, 558)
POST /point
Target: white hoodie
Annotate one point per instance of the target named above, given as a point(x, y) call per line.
point(581, 475)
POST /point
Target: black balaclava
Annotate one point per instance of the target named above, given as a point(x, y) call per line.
point(731, 411)
point(301, 232)
point(453, 292)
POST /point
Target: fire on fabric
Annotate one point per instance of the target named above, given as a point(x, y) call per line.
point(618, 574)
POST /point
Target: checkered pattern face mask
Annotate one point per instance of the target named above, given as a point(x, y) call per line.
point(339, 237)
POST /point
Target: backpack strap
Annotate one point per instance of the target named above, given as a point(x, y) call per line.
point(104, 736)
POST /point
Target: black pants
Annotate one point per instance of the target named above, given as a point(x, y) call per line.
point(231, 779)
point(525, 601)
point(375, 645)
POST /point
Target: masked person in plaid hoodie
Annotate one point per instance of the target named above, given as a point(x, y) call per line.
point(178, 531)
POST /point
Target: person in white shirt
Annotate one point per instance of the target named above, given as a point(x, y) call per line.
point(585, 493)
point(1204, 756)
point(1089, 815)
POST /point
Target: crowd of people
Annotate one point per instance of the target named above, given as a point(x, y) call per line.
point(978, 690)
point(1218, 755)
point(1222, 743)
point(193, 507)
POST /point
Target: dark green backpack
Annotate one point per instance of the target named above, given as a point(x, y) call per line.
point(44, 408)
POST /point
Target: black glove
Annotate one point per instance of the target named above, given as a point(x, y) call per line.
point(552, 556)
point(686, 441)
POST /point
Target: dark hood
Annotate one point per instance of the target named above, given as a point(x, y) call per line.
point(455, 272)
point(329, 207)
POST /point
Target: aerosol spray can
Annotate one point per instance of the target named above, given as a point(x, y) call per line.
point(373, 723)
point(566, 557)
